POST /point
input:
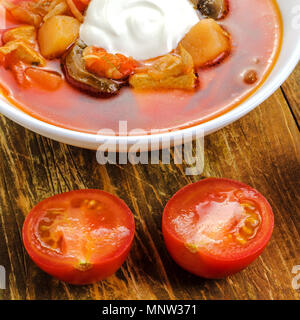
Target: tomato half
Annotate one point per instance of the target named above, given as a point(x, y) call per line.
point(81, 236)
point(216, 227)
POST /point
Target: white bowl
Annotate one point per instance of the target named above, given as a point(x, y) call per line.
point(288, 59)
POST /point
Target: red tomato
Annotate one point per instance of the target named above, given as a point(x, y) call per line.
point(81, 236)
point(216, 227)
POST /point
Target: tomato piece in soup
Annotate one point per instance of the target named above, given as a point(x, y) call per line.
point(216, 227)
point(81, 236)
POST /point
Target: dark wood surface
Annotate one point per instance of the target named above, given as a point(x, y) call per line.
point(262, 149)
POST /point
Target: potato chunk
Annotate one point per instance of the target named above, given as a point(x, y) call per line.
point(206, 42)
point(56, 35)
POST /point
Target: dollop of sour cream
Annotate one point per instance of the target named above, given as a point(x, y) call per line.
point(142, 29)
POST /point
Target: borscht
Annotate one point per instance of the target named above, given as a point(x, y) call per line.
point(160, 65)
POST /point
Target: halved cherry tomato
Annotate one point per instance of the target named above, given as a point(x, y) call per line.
point(81, 236)
point(216, 227)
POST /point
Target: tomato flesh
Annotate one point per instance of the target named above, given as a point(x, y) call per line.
point(80, 236)
point(216, 227)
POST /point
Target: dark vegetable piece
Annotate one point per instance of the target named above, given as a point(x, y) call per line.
point(250, 77)
point(215, 9)
point(77, 75)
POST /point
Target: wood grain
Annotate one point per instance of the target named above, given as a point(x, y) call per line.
point(262, 149)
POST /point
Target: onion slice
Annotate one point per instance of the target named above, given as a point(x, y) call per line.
point(76, 13)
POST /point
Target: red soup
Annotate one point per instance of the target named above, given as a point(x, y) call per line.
point(256, 30)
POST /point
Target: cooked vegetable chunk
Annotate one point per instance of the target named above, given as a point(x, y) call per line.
point(104, 64)
point(74, 10)
point(56, 7)
point(143, 81)
point(81, 4)
point(21, 51)
point(44, 79)
point(26, 33)
point(24, 12)
point(250, 77)
point(33, 12)
point(168, 72)
point(78, 76)
point(215, 9)
point(18, 70)
point(56, 35)
point(206, 42)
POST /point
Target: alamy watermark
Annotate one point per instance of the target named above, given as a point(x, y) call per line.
point(184, 147)
point(296, 18)
point(2, 278)
point(296, 279)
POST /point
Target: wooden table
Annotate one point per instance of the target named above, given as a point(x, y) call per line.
point(262, 149)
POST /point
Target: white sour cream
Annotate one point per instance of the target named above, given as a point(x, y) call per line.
point(142, 29)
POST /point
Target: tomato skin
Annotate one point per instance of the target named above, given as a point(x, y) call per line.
point(62, 267)
point(69, 274)
point(205, 264)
